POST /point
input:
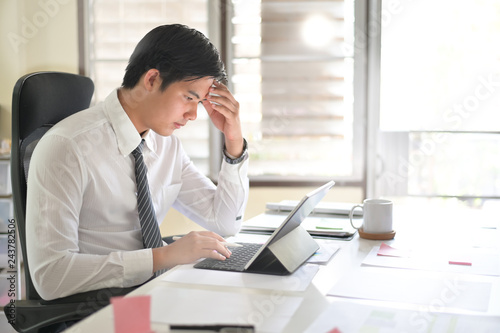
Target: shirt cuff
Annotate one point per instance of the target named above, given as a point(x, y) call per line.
point(236, 160)
point(138, 266)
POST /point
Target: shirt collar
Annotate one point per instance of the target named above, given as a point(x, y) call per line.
point(150, 142)
point(127, 136)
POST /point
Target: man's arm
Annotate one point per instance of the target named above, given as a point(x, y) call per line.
point(224, 111)
point(57, 182)
point(193, 246)
point(217, 208)
point(220, 208)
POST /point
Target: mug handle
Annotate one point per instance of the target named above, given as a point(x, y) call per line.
point(351, 213)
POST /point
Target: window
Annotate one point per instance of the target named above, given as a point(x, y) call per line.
point(293, 74)
point(116, 26)
point(440, 90)
point(291, 66)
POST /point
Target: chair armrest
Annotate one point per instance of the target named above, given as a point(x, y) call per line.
point(97, 296)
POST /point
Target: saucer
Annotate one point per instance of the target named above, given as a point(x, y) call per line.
point(385, 236)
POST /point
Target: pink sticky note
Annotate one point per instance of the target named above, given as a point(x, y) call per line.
point(389, 251)
point(132, 314)
point(334, 330)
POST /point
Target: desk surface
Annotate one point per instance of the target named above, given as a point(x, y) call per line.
point(417, 226)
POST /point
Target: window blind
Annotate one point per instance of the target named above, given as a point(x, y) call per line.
point(293, 75)
point(115, 28)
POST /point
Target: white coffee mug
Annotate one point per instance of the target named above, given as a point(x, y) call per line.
point(377, 216)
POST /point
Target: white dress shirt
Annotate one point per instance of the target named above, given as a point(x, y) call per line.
point(82, 225)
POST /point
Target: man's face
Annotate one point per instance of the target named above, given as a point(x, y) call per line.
point(168, 110)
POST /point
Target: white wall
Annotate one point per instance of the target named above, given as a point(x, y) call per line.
point(34, 36)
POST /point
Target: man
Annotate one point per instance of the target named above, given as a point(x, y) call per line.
point(83, 225)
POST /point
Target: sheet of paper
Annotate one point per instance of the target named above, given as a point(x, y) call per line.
point(132, 314)
point(352, 317)
point(325, 253)
point(471, 261)
point(426, 288)
point(484, 238)
point(267, 312)
point(298, 281)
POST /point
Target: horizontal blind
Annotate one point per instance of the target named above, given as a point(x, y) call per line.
point(115, 28)
point(293, 76)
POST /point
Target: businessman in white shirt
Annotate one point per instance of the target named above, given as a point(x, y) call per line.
point(83, 228)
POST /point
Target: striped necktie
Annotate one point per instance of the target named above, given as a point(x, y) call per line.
point(151, 236)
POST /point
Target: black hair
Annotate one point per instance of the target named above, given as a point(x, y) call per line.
point(178, 53)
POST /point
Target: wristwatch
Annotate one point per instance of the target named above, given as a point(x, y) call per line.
point(231, 159)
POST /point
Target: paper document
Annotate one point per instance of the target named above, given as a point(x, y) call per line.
point(298, 281)
point(347, 317)
point(325, 253)
point(417, 287)
point(180, 306)
point(470, 261)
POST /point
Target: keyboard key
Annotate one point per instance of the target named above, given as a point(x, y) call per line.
point(236, 262)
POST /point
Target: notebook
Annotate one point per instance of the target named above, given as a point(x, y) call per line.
point(287, 248)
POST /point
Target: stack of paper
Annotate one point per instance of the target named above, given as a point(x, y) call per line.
point(317, 226)
point(298, 281)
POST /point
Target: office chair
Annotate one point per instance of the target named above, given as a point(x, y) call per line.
point(40, 100)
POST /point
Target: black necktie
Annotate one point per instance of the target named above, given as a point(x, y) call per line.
point(151, 236)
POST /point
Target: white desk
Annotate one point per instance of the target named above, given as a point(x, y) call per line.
point(416, 227)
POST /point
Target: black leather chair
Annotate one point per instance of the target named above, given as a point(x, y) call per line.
point(40, 100)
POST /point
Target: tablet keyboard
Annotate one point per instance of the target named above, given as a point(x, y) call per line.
point(236, 262)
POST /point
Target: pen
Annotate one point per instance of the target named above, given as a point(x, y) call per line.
point(463, 263)
point(228, 244)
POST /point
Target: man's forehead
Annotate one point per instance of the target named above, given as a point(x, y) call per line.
point(194, 93)
point(199, 88)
